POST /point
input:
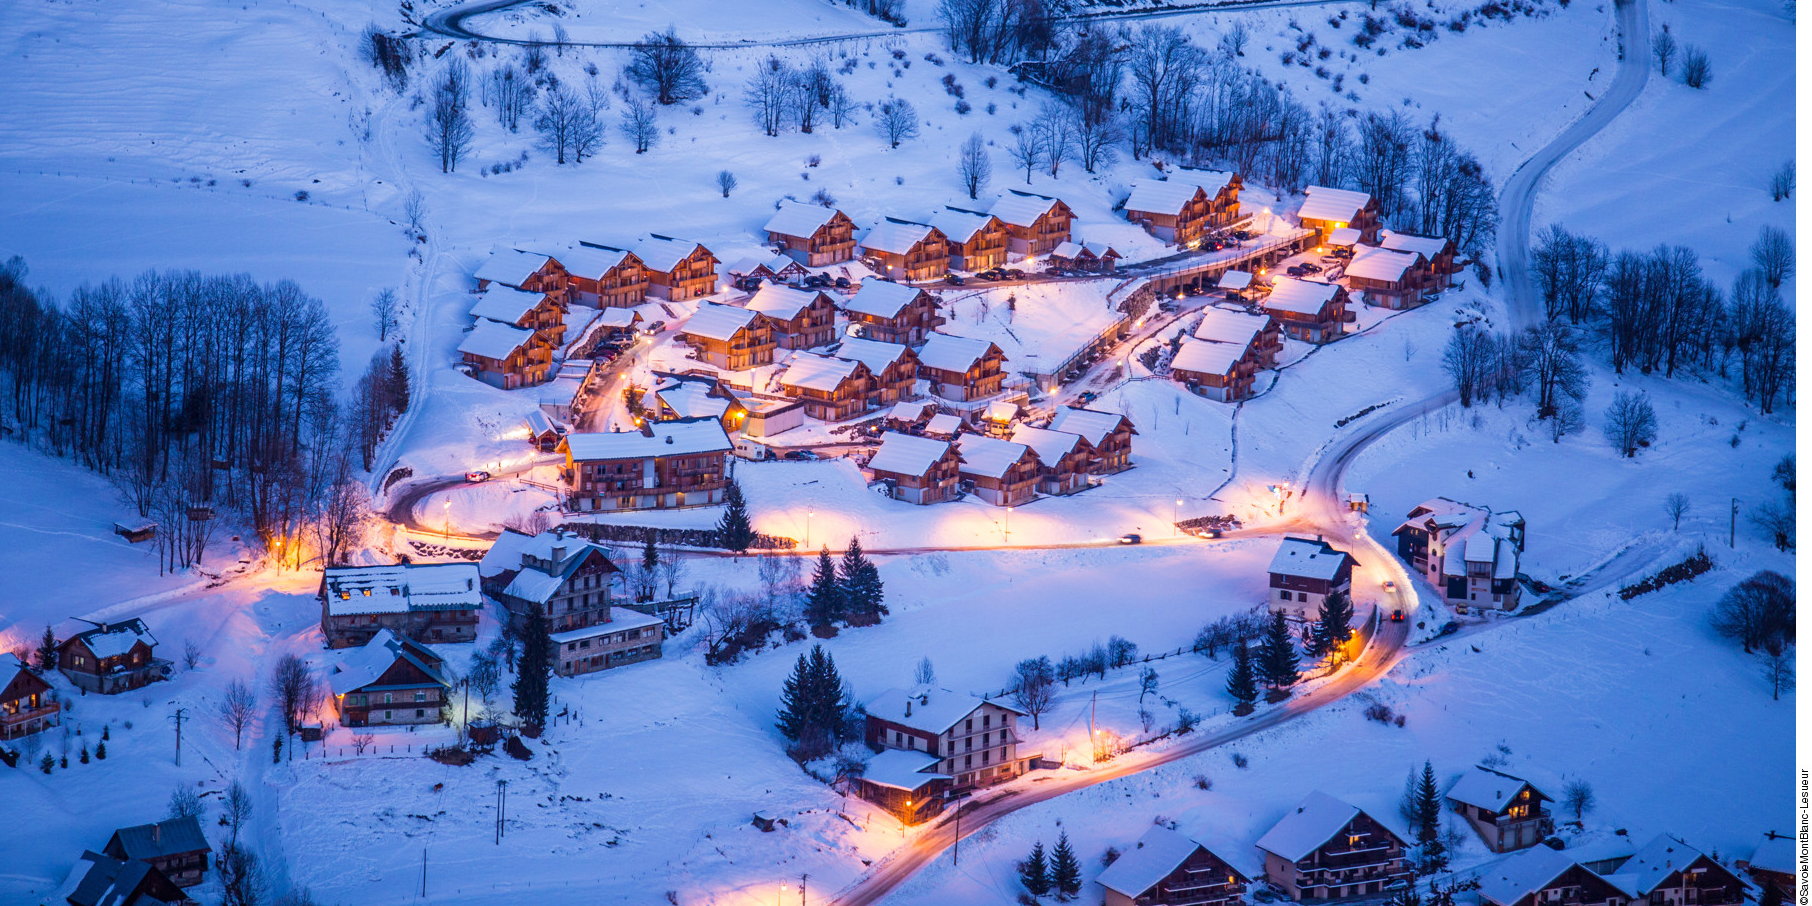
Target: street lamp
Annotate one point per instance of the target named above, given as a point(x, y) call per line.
point(780, 897)
point(446, 511)
point(1007, 534)
point(808, 529)
point(1174, 509)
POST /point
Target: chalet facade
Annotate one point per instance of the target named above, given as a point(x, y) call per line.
point(506, 356)
point(833, 389)
point(1063, 458)
point(1773, 864)
point(978, 241)
point(527, 271)
point(1325, 210)
point(1508, 813)
point(1091, 257)
point(906, 783)
point(1308, 311)
point(894, 367)
point(682, 396)
point(565, 577)
point(666, 465)
point(1543, 876)
point(677, 269)
point(917, 470)
point(1440, 252)
point(801, 318)
point(174, 846)
point(1304, 571)
point(423, 602)
point(543, 432)
point(25, 702)
point(543, 313)
point(626, 637)
point(1003, 473)
point(1186, 208)
point(892, 312)
point(1108, 434)
point(961, 368)
point(1668, 871)
point(107, 881)
point(731, 338)
point(1328, 850)
point(975, 739)
point(813, 235)
point(604, 277)
point(1166, 868)
point(1472, 554)
point(906, 251)
point(1036, 223)
point(1388, 279)
point(112, 657)
point(1228, 350)
point(390, 681)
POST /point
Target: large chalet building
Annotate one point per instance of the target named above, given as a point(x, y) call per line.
point(1325, 849)
point(1471, 553)
point(1666, 871)
point(978, 241)
point(832, 388)
point(1036, 223)
point(682, 396)
point(666, 465)
point(1386, 278)
point(1003, 473)
point(1063, 458)
point(568, 579)
point(606, 277)
point(894, 367)
point(1325, 210)
point(542, 313)
point(812, 235)
point(729, 337)
point(974, 739)
point(892, 312)
point(1166, 868)
point(678, 269)
point(106, 881)
point(1508, 813)
point(424, 602)
point(112, 657)
point(1108, 434)
point(1227, 351)
point(1306, 310)
point(390, 680)
point(1186, 208)
point(801, 318)
point(961, 368)
point(506, 356)
point(526, 271)
point(1304, 571)
point(174, 846)
point(25, 703)
point(1541, 876)
point(907, 251)
point(1441, 253)
point(916, 469)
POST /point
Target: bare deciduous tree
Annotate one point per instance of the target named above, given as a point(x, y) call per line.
point(1777, 672)
point(726, 182)
point(1630, 422)
point(1678, 504)
point(191, 653)
point(1781, 183)
point(184, 803)
point(1578, 798)
point(666, 67)
point(640, 126)
point(450, 128)
point(973, 166)
point(236, 808)
point(293, 689)
point(242, 879)
point(1758, 613)
point(1695, 67)
point(237, 708)
point(897, 121)
point(383, 311)
point(1664, 48)
point(1034, 686)
point(1773, 255)
point(1026, 151)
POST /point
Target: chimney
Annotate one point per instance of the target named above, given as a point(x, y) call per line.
point(559, 553)
point(909, 707)
point(157, 832)
point(670, 438)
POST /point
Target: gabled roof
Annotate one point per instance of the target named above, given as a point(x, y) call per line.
point(363, 666)
point(950, 353)
point(878, 356)
point(908, 410)
point(682, 437)
point(1101, 250)
point(1204, 357)
point(902, 769)
point(495, 339)
point(1338, 205)
point(168, 837)
point(1302, 297)
point(114, 638)
point(944, 423)
point(664, 253)
point(1163, 196)
point(1093, 424)
point(1315, 821)
point(906, 454)
point(536, 583)
point(511, 267)
point(1309, 558)
point(1237, 327)
point(1050, 446)
point(1235, 280)
point(1654, 862)
point(959, 225)
point(692, 399)
point(593, 262)
point(881, 298)
point(989, 457)
point(1426, 246)
point(1774, 854)
point(619, 318)
point(1160, 852)
point(783, 303)
point(1380, 264)
point(112, 882)
point(505, 554)
point(622, 619)
point(897, 237)
point(506, 304)
point(1022, 209)
point(1069, 249)
point(1488, 789)
point(793, 218)
point(823, 373)
point(715, 321)
point(1522, 874)
point(928, 709)
point(1344, 236)
point(400, 588)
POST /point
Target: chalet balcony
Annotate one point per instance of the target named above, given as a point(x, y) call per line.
point(22, 721)
point(1359, 858)
point(1541, 816)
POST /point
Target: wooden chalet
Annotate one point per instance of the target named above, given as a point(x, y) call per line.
point(1668, 871)
point(605, 277)
point(25, 702)
point(568, 580)
point(683, 396)
point(917, 470)
point(1063, 458)
point(1227, 351)
point(1327, 850)
point(1108, 434)
point(892, 312)
point(833, 389)
point(728, 337)
point(1035, 223)
point(1186, 208)
point(895, 368)
point(678, 269)
point(1304, 571)
point(1388, 279)
point(506, 356)
point(543, 313)
point(665, 465)
point(527, 271)
point(1442, 254)
point(961, 368)
point(978, 241)
point(812, 235)
point(907, 784)
point(1325, 210)
point(625, 637)
point(107, 881)
point(423, 602)
point(390, 681)
point(906, 251)
point(1541, 876)
point(1091, 257)
point(1002, 472)
point(1469, 552)
point(976, 739)
point(1508, 813)
point(543, 432)
point(801, 318)
point(1308, 311)
point(174, 846)
point(112, 657)
point(1774, 863)
point(1167, 868)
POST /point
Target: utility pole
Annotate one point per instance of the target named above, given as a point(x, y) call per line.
point(502, 797)
point(802, 880)
point(424, 872)
point(956, 842)
point(1094, 744)
point(181, 715)
point(1733, 511)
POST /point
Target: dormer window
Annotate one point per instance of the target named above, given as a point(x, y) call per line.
point(345, 595)
point(395, 592)
point(367, 592)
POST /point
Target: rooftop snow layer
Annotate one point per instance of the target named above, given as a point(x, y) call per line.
point(679, 438)
point(691, 399)
point(503, 303)
point(881, 298)
point(1308, 558)
point(823, 373)
point(1160, 852)
point(1345, 236)
point(1302, 297)
point(622, 619)
point(1427, 246)
point(363, 666)
point(896, 237)
point(495, 339)
point(593, 263)
point(1093, 424)
point(959, 225)
point(944, 423)
point(1022, 209)
point(1237, 327)
point(510, 267)
point(989, 457)
point(1162, 196)
point(1486, 789)
point(1050, 446)
point(1206, 357)
point(925, 708)
point(1522, 874)
point(782, 303)
point(905, 454)
point(944, 352)
point(1235, 280)
point(401, 587)
point(799, 219)
point(1380, 264)
point(715, 321)
point(168, 837)
point(1313, 822)
point(663, 253)
point(1338, 205)
point(878, 356)
point(1660, 857)
point(902, 769)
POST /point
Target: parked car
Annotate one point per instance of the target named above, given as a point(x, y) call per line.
point(1016, 273)
point(1130, 538)
point(1311, 267)
point(1396, 616)
point(475, 476)
point(953, 279)
point(749, 284)
point(1087, 396)
point(843, 283)
point(801, 455)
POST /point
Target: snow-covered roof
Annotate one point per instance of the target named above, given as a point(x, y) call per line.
point(113, 639)
point(782, 303)
point(622, 619)
point(895, 236)
point(1067, 249)
point(1313, 822)
point(881, 298)
point(715, 321)
point(10, 665)
point(1775, 854)
point(620, 318)
point(691, 399)
point(1380, 264)
point(401, 588)
point(1426, 246)
point(1345, 236)
point(989, 457)
point(363, 666)
point(495, 339)
point(1522, 874)
point(503, 303)
point(1093, 424)
point(1050, 446)
point(951, 353)
point(906, 454)
point(1308, 558)
point(928, 709)
point(1160, 852)
point(1479, 549)
point(799, 219)
point(902, 769)
point(1487, 789)
point(684, 437)
point(1022, 209)
point(1235, 280)
point(540, 423)
point(1660, 857)
point(664, 253)
point(534, 585)
point(878, 356)
point(1001, 411)
point(1162, 196)
point(108, 881)
point(908, 411)
point(944, 423)
point(823, 373)
point(1205, 357)
point(1101, 250)
point(593, 262)
point(1303, 297)
point(511, 267)
point(1237, 327)
point(168, 837)
point(505, 554)
point(959, 225)
point(1338, 205)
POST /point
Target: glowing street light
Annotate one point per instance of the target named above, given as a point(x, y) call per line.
point(446, 511)
point(1174, 509)
point(808, 529)
point(1007, 534)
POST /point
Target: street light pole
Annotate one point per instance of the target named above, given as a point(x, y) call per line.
point(1733, 512)
point(1175, 529)
point(808, 529)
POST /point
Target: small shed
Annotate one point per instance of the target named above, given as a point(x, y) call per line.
point(136, 530)
point(764, 821)
point(943, 425)
point(1235, 281)
point(1344, 237)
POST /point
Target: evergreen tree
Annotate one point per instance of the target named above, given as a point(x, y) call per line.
point(1066, 873)
point(1771, 895)
point(734, 530)
point(1333, 626)
point(100, 751)
point(397, 379)
point(1428, 806)
point(47, 650)
point(824, 601)
point(84, 753)
point(830, 701)
point(48, 764)
point(814, 706)
point(532, 671)
point(1242, 680)
point(1034, 873)
point(651, 558)
point(1277, 654)
point(861, 581)
point(795, 701)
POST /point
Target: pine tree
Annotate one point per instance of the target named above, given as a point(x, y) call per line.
point(795, 701)
point(1034, 873)
point(1277, 654)
point(84, 753)
point(47, 650)
point(1333, 626)
point(100, 751)
point(1428, 806)
point(1242, 680)
point(824, 601)
point(397, 379)
point(532, 670)
point(734, 531)
point(1066, 873)
point(651, 558)
point(830, 701)
point(861, 581)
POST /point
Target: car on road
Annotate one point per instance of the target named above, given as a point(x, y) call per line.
point(1016, 273)
point(654, 328)
point(1396, 616)
point(801, 455)
point(953, 279)
point(1390, 586)
point(843, 283)
point(1130, 538)
point(475, 476)
point(1087, 396)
